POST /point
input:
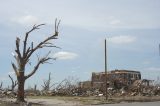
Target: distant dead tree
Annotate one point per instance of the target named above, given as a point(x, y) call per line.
point(24, 51)
point(47, 84)
point(35, 87)
point(14, 83)
point(1, 85)
point(67, 86)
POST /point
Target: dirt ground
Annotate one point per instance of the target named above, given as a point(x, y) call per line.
point(75, 101)
point(40, 102)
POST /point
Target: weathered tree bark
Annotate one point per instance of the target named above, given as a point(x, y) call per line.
point(23, 57)
point(1, 85)
point(21, 83)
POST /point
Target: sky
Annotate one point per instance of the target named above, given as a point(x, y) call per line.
point(131, 27)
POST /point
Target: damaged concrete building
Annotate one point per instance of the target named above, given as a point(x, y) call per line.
point(115, 78)
point(119, 82)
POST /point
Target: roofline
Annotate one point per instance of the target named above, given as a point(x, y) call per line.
point(121, 71)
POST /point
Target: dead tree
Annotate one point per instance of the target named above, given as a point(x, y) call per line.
point(47, 83)
point(14, 83)
point(1, 85)
point(35, 88)
point(24, 54)
point(67, 86)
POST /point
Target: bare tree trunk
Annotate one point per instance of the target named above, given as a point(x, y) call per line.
point(1, 85)
point(21, 82)
point(35, 87)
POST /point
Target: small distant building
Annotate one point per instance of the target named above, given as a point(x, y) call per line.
point(115, 78)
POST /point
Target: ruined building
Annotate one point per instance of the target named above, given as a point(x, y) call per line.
point(115, 78)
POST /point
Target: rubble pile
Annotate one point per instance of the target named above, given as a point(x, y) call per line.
point(140, 87)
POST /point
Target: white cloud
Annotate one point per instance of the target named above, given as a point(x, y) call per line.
point(123, 39)
point(27, 20)
point(65, 55)
point(115, 22)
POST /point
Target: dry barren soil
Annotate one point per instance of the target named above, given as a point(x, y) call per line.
point(83, 101)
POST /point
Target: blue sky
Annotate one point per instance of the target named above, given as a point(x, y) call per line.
point(132, 29)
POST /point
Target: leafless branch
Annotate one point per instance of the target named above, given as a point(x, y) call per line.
point(44, 43)
point(11, 79)
point(26, 38)
point(17, 47)
point(15, 69)
point(14, 83)
point(41, 61)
